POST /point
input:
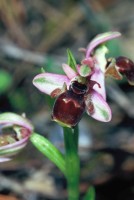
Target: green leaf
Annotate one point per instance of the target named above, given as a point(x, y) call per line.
point(5, 81)
point(49, 150)
point(71, 60)
point(90, 195)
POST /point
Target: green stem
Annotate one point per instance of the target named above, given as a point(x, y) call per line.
point(72, 163)
point(76, 136)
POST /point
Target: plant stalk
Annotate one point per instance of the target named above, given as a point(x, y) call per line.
point(72, 162)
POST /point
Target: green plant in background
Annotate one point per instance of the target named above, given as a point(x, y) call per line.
point(81, 89)
point(5, 81)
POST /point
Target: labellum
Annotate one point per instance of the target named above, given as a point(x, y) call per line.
point(126, 67)
point(70, 105)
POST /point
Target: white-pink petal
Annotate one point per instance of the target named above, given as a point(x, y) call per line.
point(16, 145)
point(13, 120)
point(69, 71)
point(48, 82)
point(9, 118)
point(99, 39)
point(101, 111)
point(99, 77)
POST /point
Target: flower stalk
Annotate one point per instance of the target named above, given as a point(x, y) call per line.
point(72, 162)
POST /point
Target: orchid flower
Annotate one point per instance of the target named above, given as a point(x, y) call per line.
point(121, 66)
point(82, 88)
point(15, 131)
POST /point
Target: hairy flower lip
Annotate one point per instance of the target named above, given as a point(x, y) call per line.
point(126, 67)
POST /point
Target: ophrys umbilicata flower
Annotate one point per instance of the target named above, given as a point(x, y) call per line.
point(82, 88)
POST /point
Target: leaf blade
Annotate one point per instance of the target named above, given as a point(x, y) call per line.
point(49, 150)
point(71, 60)
point(90, 195)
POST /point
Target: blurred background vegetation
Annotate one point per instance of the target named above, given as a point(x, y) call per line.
point(36, 34)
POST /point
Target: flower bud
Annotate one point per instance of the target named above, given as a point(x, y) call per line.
point(14, 133)
point(70, 106)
